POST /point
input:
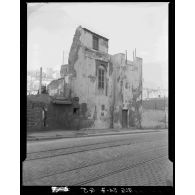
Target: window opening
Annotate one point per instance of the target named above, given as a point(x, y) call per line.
point(95, 43)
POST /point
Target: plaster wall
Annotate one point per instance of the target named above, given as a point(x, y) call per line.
point(84, 84)
point(123, 82)
point(87, 40)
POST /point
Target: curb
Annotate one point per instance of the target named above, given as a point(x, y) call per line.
point(88, 135)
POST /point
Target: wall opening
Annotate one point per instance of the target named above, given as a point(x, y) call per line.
point(124, 118)
point(75, 111)
point(95, 43)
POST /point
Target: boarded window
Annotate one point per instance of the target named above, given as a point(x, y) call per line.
point(95, 43)
point(126, 85)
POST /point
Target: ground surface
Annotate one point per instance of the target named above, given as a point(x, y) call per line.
point(139, 159)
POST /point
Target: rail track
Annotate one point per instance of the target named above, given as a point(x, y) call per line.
point(117, 171)
point(89, 164)
point(79, 148)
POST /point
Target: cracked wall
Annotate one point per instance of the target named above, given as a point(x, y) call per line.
point(83, 58)
point(123, 85)
point(128, 90)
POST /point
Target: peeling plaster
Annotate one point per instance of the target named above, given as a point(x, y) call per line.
point(136, 104)
point(73, 54)
point(84, 61)
point(92, 78)
point(110, 68)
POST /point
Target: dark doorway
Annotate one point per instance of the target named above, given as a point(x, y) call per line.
point(124, 118)
point(75, 111)
point(131, 118)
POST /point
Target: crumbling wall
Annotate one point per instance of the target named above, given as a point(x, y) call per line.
point(128, 90)
point(87, 40)
point(134, 75)
point(59, 116)
point(56, 87)
point(116, 103)
point(84, 85)
point(35, 104)
point(103, 45)
point(34, 116)
point(123, 83)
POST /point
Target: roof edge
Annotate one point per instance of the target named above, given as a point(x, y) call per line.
point(95, 34)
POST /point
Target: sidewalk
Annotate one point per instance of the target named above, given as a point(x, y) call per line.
point(56, 134)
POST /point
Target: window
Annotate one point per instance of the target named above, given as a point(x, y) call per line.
point(101, 75)
point(101, 78)
point(103, 107)
point(126, 86)
point(95, 43)
point(75, 111)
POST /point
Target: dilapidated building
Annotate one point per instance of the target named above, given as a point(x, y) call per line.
point(109, 87)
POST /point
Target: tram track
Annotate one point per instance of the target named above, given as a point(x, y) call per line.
point(117, 171)
point(107, 141)
point(89, 164)
point(81, 148)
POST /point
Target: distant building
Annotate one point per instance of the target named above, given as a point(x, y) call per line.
point(33, 78)
point(154, 93)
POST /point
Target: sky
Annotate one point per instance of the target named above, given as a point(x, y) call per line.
point(144, 26)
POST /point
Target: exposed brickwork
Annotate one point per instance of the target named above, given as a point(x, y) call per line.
point(34, 115)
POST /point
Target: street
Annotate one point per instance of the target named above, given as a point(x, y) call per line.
point(139, 159)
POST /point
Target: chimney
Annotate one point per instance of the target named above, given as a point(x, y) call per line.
point(133, 55)
point(135, 52)
point(40, 81)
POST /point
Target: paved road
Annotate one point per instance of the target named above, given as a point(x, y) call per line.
point(125, 159)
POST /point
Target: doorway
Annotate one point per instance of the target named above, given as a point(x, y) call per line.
point(124, 118)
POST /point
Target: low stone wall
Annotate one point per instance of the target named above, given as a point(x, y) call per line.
point(155, 103)
point(59, 116)
point(34, 115)
point(154, 119)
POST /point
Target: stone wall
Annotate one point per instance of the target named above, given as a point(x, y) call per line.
point(123, 82)
point(59, 87)
point(127, 88)
point(87, 40)
point(59, 116)
point(34, 115)
point(83, 60)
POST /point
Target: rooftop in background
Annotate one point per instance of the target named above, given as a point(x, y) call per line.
point(95, 33)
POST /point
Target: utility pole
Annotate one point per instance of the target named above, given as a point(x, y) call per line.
point(40, 80)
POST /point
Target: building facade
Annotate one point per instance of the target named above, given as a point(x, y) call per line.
point(154, 93)
point(109, 87)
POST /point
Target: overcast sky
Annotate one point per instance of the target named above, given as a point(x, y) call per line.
point(144, 26)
